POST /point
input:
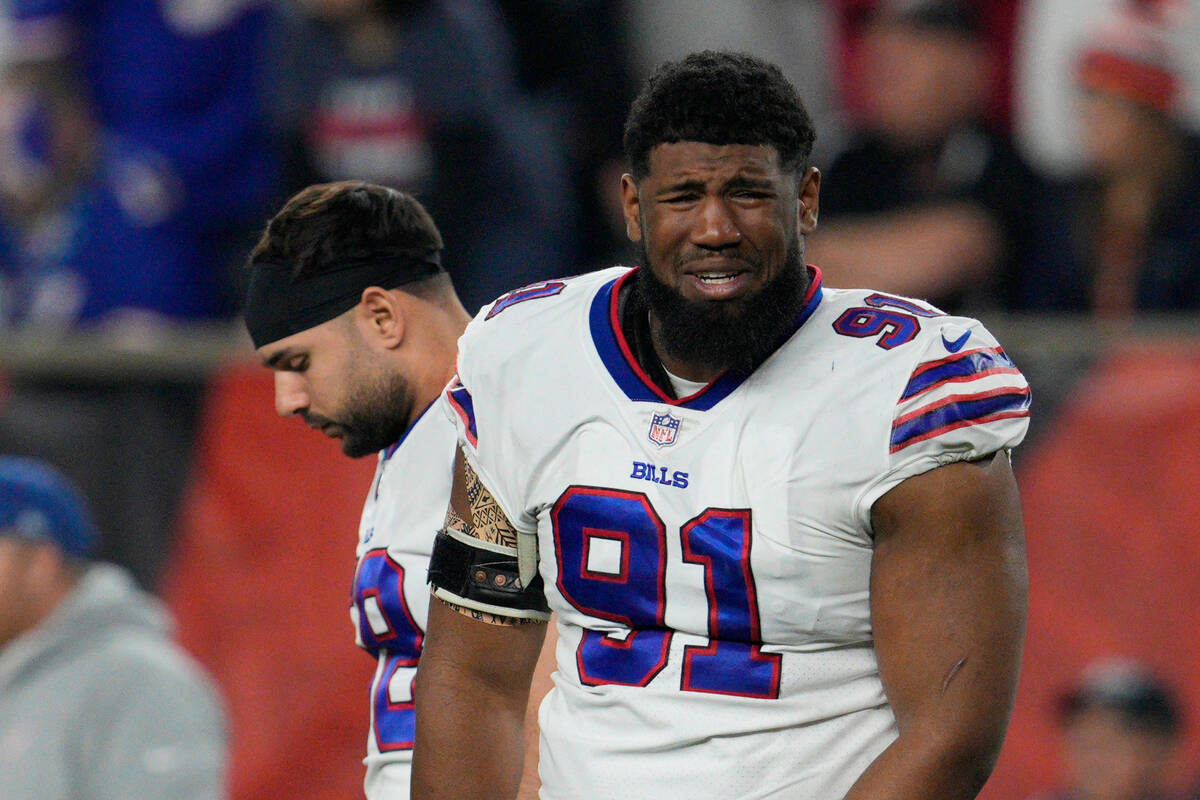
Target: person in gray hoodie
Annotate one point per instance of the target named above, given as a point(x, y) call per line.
point(96, 699)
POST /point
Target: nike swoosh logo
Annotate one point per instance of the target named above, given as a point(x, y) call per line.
point(956, 345)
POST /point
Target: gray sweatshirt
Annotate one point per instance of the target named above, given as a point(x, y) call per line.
point(98, 703)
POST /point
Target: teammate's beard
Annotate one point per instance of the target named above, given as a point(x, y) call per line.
point(382, 404)
point(378, 417)
point(727, 334)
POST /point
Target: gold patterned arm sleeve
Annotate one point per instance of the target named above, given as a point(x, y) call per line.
point(474, 513)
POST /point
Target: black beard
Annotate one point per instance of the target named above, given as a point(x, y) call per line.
point(379, 417)
point(734, 334)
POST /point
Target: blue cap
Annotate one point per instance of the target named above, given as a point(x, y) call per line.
point(38, 504)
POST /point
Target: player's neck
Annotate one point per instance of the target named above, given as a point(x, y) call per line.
point(436, 350)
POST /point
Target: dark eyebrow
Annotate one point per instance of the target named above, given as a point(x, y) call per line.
point(747, 182)
point(736, 182)
point(683, 186)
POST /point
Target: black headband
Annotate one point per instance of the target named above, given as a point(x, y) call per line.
point(277, 307)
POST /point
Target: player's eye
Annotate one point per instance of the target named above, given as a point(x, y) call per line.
point(297, 364)
point(680, 198)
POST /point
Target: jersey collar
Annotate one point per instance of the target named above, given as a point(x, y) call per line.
point(391, 449)
point(614, 350)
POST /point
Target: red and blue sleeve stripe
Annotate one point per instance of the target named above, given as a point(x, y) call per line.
point(958, 411)
point(464, 406)
point(967, 366)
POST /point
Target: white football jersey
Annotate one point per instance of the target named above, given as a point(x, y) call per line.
point(404, 510)
point(708, 558)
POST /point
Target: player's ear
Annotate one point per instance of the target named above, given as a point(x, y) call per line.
point(809, 201)
point(631, 207)
point(380, 316)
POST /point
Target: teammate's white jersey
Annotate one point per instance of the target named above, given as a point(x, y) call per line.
point(708, 559)
point(404, 510)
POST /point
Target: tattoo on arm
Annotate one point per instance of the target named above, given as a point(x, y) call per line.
point(488, 519)
point(489, 523)
point(489, 618)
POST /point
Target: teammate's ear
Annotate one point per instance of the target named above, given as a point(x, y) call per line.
point(809, 201)
point(380, 317)
point(631, 207)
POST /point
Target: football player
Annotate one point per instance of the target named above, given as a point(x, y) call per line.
point(348, 303)
point(776, 520)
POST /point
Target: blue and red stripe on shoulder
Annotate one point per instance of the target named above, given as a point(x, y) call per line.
point(959, 411)
point(464, 406)
point(965, 366)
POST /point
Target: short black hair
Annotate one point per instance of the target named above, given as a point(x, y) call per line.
point(719, 98)
point(327, 224)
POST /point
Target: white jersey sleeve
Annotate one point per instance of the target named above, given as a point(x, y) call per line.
point(963, 399)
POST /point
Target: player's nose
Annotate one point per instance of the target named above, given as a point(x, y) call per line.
point(291, 393)
point(715, 227)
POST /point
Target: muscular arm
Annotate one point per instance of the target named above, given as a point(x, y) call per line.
point(530, 781)
point(948, 600)
point(473, 684)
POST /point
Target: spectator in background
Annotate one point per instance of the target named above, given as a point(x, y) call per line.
point(92, 235)
point(573, 61)
point(96, 701)
point(421, 96)
point(1120, 732)
point(998, 22)
point(928, 200)
point(178, 166)
point(1049, 36)
point(796, 35)
point(134, 165)
point(1131, 221)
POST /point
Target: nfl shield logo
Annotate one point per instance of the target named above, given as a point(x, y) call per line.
point(663, 428)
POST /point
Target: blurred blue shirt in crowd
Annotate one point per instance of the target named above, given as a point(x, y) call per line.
point(180, 163)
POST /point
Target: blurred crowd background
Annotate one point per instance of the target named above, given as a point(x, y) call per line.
point(1035, 163)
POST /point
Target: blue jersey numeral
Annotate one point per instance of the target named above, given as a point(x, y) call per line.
point(897, 327)
point(878, 300)
point(733, 662)
point(532, 292)
point(395, 720)
point(632, 593)
point(893, 317)
point(612, 555)
point(387, 629)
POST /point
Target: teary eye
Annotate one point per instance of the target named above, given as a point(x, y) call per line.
point(679, 198)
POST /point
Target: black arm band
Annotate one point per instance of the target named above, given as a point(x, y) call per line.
point(483, 576)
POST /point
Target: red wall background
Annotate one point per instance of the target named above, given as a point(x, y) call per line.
point(1112, 513)
point(260, 583)
point(261, 578)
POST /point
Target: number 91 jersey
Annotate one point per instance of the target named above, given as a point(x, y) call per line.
point(404, 509)
point(708, 558)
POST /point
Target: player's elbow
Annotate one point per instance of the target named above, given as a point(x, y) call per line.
point(974, 771)
point(967, 760)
